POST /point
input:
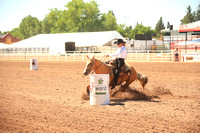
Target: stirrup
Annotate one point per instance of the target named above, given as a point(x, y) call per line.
point(113, 86)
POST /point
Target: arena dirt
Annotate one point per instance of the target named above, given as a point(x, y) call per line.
point(50, 99)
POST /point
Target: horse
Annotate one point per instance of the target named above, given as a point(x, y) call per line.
point(99, 67)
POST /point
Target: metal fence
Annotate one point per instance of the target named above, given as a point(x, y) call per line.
point(136, 56)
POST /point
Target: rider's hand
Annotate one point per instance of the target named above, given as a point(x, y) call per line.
point(107, 55)
point(111, 62)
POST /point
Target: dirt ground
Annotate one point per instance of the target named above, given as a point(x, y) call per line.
point(50, 99)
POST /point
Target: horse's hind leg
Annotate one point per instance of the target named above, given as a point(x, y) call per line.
point(124, 87)
point(130, 80)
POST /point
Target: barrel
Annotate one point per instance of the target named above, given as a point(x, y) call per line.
point(33, 64)
point(99, 89)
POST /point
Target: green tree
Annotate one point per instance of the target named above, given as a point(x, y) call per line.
point(46, 27)
point(121, 29)
point(130, 33)
point(54, 22)
point(92, 14)
point(29, 27)
point(84, 17)
point(5, 32)
point(168, 25)
point(16, 33)
point(91, 17)
point(189, 17)
point(101, 21)
point(78, 17)
point(197, 16)
point(159, 26)
point(110, 22)
point(74, 13)
point(141, 29)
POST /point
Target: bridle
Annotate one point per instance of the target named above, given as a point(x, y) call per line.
point(99, 65)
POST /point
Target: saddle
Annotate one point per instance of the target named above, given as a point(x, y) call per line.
point(125, 69)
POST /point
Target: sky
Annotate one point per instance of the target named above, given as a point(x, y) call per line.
point(127, 12)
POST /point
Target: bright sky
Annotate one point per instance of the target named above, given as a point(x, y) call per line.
point(126, 11)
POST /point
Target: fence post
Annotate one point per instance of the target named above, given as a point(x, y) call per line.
point(182, 58)
point(166, 57)
point(49, 57)
point(57, 57)
point(142, 57)
point(136, 56)
point(83, 56)
point(65, 57)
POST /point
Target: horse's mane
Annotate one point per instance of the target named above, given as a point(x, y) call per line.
point(103, 62)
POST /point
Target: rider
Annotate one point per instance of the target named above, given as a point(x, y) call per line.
point(118, 58)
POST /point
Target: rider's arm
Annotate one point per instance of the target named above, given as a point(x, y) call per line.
point(119, 52)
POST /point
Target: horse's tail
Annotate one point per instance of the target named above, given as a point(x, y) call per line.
point(143, 79)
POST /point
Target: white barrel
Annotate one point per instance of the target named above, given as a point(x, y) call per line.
point(33, 64)
point(99, 89)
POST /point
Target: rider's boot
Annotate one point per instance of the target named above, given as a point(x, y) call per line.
point(113, 86)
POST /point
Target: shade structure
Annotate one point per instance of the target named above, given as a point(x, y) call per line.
point(55, 43)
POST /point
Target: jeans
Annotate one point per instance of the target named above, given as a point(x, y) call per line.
point(119, 63)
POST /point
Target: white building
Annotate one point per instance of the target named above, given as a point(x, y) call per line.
point(60, 43)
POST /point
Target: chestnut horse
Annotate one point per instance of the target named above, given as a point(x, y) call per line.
point(99, 67)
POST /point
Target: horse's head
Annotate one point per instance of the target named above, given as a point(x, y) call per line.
point(89, 66)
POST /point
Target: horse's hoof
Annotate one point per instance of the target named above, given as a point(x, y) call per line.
point(85, 96)
point(123, 88)
point(88, 90)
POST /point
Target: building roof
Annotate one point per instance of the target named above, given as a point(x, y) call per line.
point(1, 36)
point(2, 45)
point(80, 39)
point(56, 42)
point(192, 42)
point(197, 40)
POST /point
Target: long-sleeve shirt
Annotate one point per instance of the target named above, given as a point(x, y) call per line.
point(120, 53)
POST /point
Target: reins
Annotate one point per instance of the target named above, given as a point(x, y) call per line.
point(103, 58)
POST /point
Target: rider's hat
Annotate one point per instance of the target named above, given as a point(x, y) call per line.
point(119, 41)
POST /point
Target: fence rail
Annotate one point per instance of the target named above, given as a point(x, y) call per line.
point(137, 56)
point(141, 57)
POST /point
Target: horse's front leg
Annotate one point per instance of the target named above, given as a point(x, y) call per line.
point(86, 93)
point(88, 89)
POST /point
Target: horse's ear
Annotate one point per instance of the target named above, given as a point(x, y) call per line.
point(93, 56)
point(87, 56)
